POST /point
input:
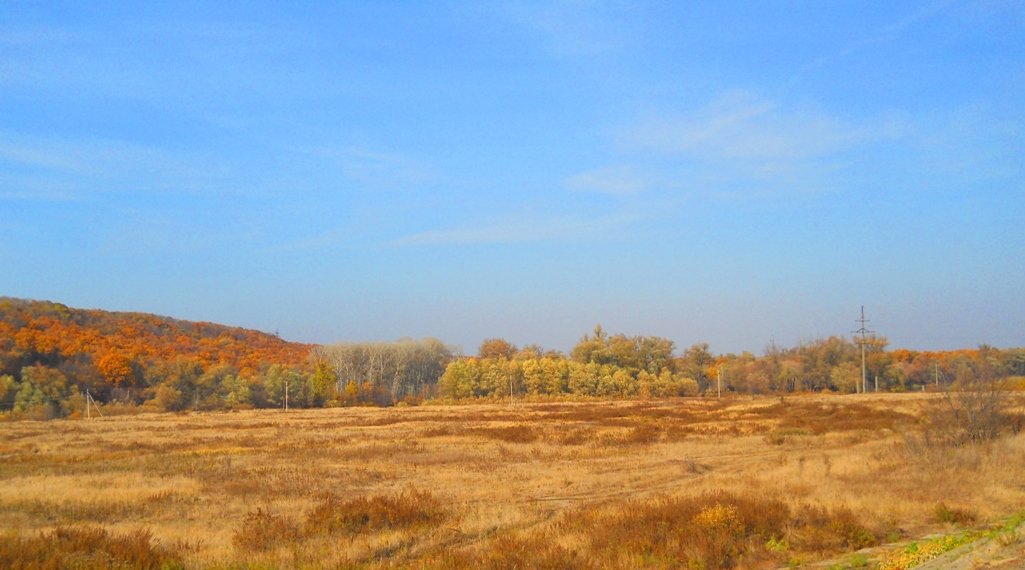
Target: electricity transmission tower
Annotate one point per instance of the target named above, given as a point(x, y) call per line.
point(863, 341)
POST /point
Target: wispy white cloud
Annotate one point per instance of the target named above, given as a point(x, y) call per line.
point(885, 34)
point(145, 235)
point(82, 166)
point(740, 126)
point(968, 146)
point(518, 231)
point(612, 180)
point(21, 188)
point(34, 36)
point(739, 145)
point(320, 240)
point(371, 166)
point(572, 27)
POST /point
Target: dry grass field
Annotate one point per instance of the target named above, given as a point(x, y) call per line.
point(699, 483)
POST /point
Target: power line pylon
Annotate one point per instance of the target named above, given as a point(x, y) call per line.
point(863, 341)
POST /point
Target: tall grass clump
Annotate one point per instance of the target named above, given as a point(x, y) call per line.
point(89, 548)
point(262, 530)
point(717, 530)
point(410, 508)
point(506, 552)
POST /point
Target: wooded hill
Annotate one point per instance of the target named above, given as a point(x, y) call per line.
point(119, 355)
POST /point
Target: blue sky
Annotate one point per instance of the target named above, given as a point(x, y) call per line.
point(725, 172)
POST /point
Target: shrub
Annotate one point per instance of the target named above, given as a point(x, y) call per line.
point(509, 434)
point(510, 552)
point(408, 509)
point(644, 434)
point(261, 531)
point(713, 530)
point(88, 548)
point(974, 410)
point(947, 514)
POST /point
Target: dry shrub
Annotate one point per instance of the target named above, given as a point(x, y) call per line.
point(714, 530)
point(835, 417)
point(975, 410)
point(510, 552)
point(953, 515)
point(782, 435)
point(70, 512)
point(1015, 383)
point(244, 484)
point(440, 431)
point(385, 421)
point(676, 434)
point(706, 531)
point(410, 508)
point(262, 530)
point(576, 436)
point(509, 434)
point(601, 414)
point(817, 529)
point(644, 434)
point(89, 548)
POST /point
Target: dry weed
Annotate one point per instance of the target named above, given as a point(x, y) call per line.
point(88, 548)
point(411, 508)
point(262, 530)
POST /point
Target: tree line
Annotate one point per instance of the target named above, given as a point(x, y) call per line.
point(51, 356)
point(603, 365)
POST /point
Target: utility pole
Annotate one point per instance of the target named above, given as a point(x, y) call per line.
point(89, 403)
point(718, 382)
point(863, 341)
point(286, 395)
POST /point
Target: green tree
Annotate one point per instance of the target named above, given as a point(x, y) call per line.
point(695, 363)
point(593, 348)
point(845, 377)
point(323, 384)
point(45, 392)
point(277, 379)
point(237, 392)
point(174, 383)
point(7, 392)
point(585, 379)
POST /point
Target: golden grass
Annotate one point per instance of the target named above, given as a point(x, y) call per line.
point(740, 482)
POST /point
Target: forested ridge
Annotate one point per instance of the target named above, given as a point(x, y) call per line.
point(51, 356)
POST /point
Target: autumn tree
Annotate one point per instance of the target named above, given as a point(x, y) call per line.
point(845, 377)
point(324, 384)
point(386, 372)
point(496, 348)
point(116, 368)
point(695, 363)
point(593, 348)
point(174, 383)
